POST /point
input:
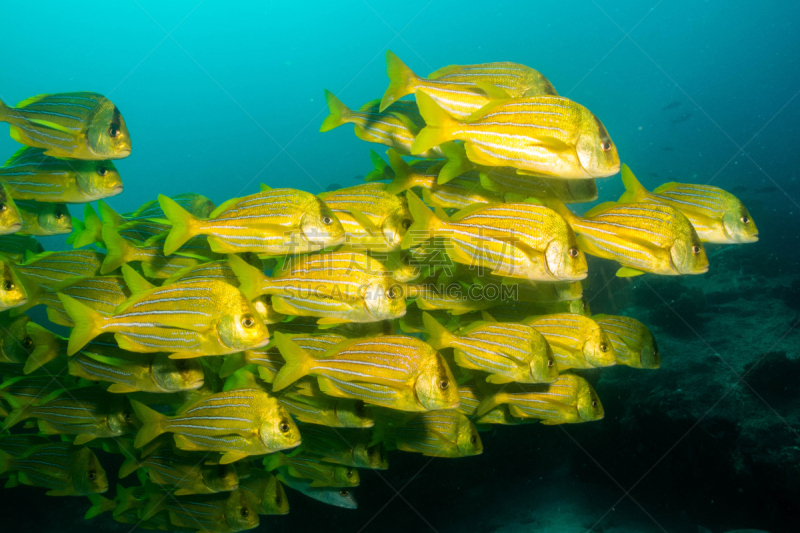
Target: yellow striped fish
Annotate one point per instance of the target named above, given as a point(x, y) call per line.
point(716, 215)
point(464, 89)
point(79, 125)
point(434, 433)
point(10, 216)
point(543, 136)
point(331, 496)
point(507, 351)
point(132, 372)
point(61, 467)
point(633, 343)
point(313, 468)
point(46, 347)
point(15, 343)
point(344, 447)
point(336, 286)
point(393, 130)
point(274, 222)
point(402, 109)
point(440, 296)
point(102, 293)
point(251, 414)
point(88, 412)
point(265, 493)
point(372, 218)
point(205, 513)
point(392, 371)
point(42, 219)
point(31, 175)
point(183, 473)
point(647, 237)
point(16, 247)
point(196, 204)
point(569, 400)
point(308, 404)
point(518, 240)
point(205, 318)
point(577, 341)
point(12, 292)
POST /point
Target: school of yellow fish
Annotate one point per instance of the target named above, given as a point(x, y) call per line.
point(286, 339)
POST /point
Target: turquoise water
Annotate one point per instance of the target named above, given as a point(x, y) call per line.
point(222, 96)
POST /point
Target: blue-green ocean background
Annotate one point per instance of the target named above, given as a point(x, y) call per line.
point(220, 96)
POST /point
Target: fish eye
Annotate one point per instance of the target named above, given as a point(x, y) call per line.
point(327, 221)
point(393, 293)
point(370, 452)
point(248, 321)
point(603, 347)
point(348, 473)
point(2, 207)
point(696, 249)
point(605, 146)
point(180, 364)
point(745, 219)
point(549, 363)
point(59, 215)
point(406, 223)
point(102, 171)
point(126, 417)
point(92, 475)
point(278, 499)
point(443, 384)
point(245, 512)
point(473, 439)
point(359, 407)
point(27, 342)
point(222, 471)
point(574, 252)
point(594, 403)
point(284, 427)
point(113, 132)
point(8, 286)
point(344, 493)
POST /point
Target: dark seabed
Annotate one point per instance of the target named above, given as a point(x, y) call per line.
point(220, 97)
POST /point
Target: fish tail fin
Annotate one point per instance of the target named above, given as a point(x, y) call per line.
point(125, 499)
point(439, 125)
point(4, 111)
point(438, 336)
point(88, 323)
point(251, 280)
point(118, 249)
point(184, 224)
point(425, 222)
point(297, 362)
point(634, 190)
point(92, 227)
point(380, 170)
point(46, 347)
point(6, 462)
point(403, 173)
point(340, 113)
point(130, 466)
point(491, 402)
point(457, 162)
point(154, 505)
point(19, 411)
point(402, 80)
point(152, 422)
point(99, 506)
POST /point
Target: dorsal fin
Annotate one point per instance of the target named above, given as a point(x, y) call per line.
point(31, 100)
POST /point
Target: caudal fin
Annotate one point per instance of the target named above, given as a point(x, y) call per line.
point(439, 125)
point(457, 162)
point(47, 347)
point(438, 336)
point(4, 112)
point(340, 113)
point(152, 423)
point(403, 173)
point(634, 191)
point(118, 250)
point(297, 362)
point(100, 505)
point(402, 80)
point(92, 230)
point(490, 402)
point(425, 222)
point(251, 280)
point(88, 323)
point(184, 224)
point(19, 412)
